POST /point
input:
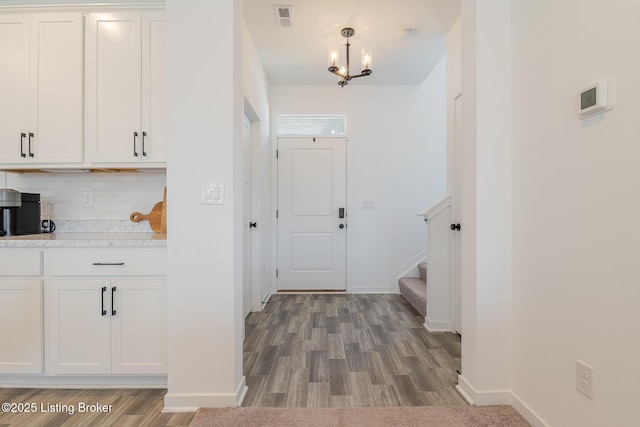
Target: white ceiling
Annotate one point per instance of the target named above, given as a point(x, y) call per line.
point(299, 55)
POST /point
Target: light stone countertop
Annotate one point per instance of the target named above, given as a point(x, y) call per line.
point(84, 239)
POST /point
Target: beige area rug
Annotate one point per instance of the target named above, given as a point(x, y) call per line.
point(422, 416)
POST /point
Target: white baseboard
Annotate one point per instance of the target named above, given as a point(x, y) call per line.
point(410, 268)
point(192, 402)
point(527, 413)
point(83, 381)
point(374, 291)
point(482, 398)
point(474, 397)
point(437, 326)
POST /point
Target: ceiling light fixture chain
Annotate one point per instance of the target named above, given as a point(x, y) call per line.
point(343, 72)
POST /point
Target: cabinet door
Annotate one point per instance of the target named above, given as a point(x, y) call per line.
point(14, 87)
point(113, 87)
point(139, 327)
point(21, 320)
point(56, 88)
point(77, 326)
point(154, 98)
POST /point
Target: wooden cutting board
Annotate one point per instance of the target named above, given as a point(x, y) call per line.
point(163, 215)
point(157, 217)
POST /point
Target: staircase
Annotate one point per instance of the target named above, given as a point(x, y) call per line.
point(414, 289)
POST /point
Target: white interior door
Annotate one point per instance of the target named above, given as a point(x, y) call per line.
point(311, 193)
point(457, 209)
point(247, 262)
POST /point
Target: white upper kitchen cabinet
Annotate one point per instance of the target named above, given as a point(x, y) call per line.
point(125, 88)
point(41, 87)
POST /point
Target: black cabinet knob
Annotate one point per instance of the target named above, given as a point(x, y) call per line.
point(455, 227)
point(253, 224)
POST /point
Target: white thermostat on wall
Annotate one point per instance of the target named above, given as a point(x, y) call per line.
point(597, 98)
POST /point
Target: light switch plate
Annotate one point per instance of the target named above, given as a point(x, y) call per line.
point(212, 193)
point(369, 206)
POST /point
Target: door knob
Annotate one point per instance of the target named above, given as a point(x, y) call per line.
point(341, 226)
point(253, 224)
point(455, 227)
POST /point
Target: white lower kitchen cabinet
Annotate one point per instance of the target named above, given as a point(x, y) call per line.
point(138, 327)
point(105, 326)
point(21, 320)
point(21, 312)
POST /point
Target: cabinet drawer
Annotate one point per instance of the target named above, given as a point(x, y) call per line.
point(20, 263)
point(106, 263)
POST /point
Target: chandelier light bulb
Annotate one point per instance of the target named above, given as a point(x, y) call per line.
point(333, 59)
point(366, 59)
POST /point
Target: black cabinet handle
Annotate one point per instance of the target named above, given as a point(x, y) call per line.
point(22, 137)
point(30, 136)
point(104, 312)
point(455, 227)
point(135, 136)
point(253, 224)
point(144, 135)
point(108, 263)
point(113, 307)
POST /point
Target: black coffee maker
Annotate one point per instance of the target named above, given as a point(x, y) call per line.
point(19, 213)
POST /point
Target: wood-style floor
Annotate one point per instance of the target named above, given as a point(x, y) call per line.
point(129, 407)
point(328, 350)
point(301, 351)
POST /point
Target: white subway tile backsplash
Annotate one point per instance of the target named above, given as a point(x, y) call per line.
point(115, 197)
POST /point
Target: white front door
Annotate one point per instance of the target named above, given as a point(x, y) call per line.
point(312, 236)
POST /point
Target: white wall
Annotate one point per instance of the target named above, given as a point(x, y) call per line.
point(576, 239)
point(204, 246)
point(454, 88)
point(396, 158)
point(486, 201)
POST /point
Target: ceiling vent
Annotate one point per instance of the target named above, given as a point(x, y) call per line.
point(283, 15)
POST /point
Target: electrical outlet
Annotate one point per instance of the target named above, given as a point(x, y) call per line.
point(87, 199)
point(584, 379)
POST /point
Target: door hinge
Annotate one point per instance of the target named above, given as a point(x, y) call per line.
point(276, 154)
point(276, 213)
point(276, 273)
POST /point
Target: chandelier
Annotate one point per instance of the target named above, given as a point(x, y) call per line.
point(343, 71)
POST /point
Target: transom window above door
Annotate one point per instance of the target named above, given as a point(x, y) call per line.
point(312, 124)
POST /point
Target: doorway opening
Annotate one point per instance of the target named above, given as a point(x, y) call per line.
point(256, 288)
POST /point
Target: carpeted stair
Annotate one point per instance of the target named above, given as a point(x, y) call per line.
point(414, 289)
